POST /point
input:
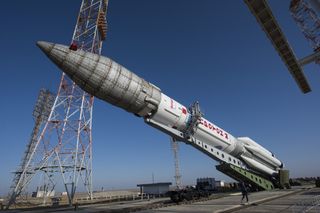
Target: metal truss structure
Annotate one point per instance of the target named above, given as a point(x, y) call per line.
point(264, 16)
point(64, 144)
point(26, 171)
point(177, 176)
point(306, 17)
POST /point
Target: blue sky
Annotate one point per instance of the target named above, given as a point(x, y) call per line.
point(210, 51)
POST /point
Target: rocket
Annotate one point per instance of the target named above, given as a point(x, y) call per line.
point(107, 80)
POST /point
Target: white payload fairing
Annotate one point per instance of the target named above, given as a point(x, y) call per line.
point(109, 81)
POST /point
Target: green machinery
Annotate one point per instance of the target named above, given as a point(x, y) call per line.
point(255, 180)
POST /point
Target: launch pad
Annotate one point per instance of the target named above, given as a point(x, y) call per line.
point(286, 201)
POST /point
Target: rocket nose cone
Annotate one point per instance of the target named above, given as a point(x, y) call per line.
point(55, 52)
point(46, 47)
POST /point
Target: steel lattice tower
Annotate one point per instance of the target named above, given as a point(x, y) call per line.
point(305, 14)
point(63, 143)
point(177, 175)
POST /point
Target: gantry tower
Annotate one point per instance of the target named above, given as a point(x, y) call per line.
point(62, 142)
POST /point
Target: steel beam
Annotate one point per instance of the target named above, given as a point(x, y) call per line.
point(261, 10)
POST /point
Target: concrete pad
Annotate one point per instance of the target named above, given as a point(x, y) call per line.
point(230, 203)
point(293, 200)
point(304, 201)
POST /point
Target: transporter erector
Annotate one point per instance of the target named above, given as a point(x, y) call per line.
point(111, 82)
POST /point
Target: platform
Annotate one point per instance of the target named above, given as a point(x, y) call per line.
point(290, 200)
point(265, 201)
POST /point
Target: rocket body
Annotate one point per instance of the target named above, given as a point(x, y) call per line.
point(109, 81)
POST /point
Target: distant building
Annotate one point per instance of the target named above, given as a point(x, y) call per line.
point(206, 183)
point(154, 188)
point(42, 193)
point(219, 183)
point(64, 193)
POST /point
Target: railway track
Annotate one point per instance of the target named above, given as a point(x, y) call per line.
point(163, 204)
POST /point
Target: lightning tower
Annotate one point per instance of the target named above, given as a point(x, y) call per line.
point(177, 176)
point(61, 142)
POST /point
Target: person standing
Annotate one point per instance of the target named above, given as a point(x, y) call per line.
point(244, 191)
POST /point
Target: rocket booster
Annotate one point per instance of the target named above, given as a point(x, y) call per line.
point(111, 82)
